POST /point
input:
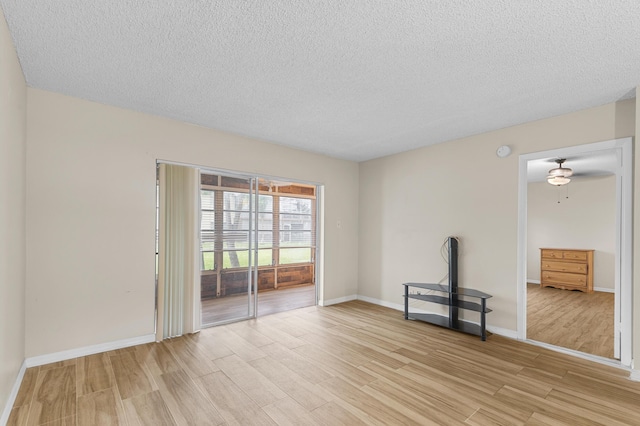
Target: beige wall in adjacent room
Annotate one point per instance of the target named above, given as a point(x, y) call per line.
point(13, 95)
point(91, 203)
point(585, 220)
point(411, 201)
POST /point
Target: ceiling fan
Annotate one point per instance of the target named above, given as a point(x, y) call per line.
point(560, 175)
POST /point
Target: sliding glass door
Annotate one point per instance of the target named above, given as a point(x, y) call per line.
point(257, 235)
point(228, 247)
point(236, 247)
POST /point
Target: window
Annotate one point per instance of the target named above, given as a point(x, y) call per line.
point(296, 230)
point(286, 228)
point(207, 229)
point(235, 230)
point(265, 230)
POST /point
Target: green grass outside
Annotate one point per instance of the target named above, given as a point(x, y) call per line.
point(287, 256)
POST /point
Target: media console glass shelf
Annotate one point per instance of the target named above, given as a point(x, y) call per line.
point(450, 296)
point(451, 299)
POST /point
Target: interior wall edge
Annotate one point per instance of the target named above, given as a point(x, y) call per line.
point(6, 412)
point(635, 350)
point(13, 165)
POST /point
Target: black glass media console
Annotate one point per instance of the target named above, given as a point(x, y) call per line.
point(451, 295)
point(451, 299)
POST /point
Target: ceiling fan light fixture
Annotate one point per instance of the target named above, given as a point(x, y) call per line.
point(558, 180)
point(560, 175)
point(561, 171)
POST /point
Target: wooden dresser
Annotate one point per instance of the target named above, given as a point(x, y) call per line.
point(567, 269)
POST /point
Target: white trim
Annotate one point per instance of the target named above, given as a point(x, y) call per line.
point(504, 332)
point(600, 289)
point(319, 260)
point(396, 306)
point(521, 251)
point(635, 375)
point(589, 357)
point(624, 260)
point(88, 350)
point(625, 263)
point(14, 393)
point(338, 300)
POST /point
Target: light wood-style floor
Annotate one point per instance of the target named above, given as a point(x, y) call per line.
point(351, 364)
point(571, 319)
point(269, 302)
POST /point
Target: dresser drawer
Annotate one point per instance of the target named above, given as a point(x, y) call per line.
point(553, 265)
point(574, 255)
point(564, 254)
point(551, 254)
point(564, 278)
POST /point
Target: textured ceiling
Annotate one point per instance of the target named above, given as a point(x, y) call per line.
point(350, 79)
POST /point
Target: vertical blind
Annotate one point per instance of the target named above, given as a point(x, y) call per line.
point(178, 277)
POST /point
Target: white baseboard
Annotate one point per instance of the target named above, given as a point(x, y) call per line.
point(504, 332)
point(601, 289)
point(12, 396)
point(88, 350)
point(635, 375)
point(338, 300)
point(379, 302)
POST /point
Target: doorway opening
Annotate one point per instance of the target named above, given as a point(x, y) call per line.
point(619, 153)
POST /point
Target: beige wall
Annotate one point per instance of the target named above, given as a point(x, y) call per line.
point(12, 213)
point(91, 214)
point(410, 202)
point(585, 220)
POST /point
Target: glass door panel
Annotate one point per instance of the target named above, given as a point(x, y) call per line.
point(227, 246)
point(286, 230)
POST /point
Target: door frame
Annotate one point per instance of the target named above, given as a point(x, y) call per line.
point(624, 239)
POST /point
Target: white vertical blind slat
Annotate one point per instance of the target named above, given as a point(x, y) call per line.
point(178, 279)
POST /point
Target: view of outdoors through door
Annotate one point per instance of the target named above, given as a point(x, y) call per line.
point(273, 229)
